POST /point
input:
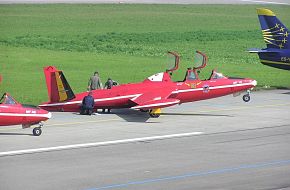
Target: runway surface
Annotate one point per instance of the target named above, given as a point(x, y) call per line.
point(221, 143)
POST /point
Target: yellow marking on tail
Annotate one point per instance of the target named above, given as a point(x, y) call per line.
point(61, 91)
point(265, 12)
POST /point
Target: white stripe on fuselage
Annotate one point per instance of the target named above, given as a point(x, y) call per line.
point(48, 115)
point(134, 96)
point(215, 87)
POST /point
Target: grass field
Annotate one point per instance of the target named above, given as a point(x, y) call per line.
point(127, 43)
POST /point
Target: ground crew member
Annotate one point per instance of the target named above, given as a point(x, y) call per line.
point(95, 82)
point(87, 105)
point(108, 85)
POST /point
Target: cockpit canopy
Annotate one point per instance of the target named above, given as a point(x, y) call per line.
point(192, 73)
point(7, 99)
point(216, 75)
point(199, 62)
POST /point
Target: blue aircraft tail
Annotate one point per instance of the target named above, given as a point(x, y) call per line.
point(275, 33)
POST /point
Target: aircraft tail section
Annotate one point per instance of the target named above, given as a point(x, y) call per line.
point(275, 33)
point(57, 86)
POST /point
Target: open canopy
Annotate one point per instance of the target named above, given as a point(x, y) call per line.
point(199, 60)
point(7, 99)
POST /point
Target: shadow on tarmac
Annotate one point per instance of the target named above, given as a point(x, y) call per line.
point(287, 93)
point(16, 134)
point(130, 115)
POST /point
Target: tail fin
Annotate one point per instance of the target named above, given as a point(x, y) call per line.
point(57, 86)
point(275, 33)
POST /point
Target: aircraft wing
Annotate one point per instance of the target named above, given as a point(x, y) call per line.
point(156, 99)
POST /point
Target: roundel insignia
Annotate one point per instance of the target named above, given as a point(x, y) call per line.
point(205, 88)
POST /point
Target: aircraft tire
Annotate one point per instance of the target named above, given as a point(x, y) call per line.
point(246, 98)
point(154, 115)
point(37, 131)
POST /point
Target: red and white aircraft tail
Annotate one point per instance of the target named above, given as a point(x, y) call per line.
point(57, 86)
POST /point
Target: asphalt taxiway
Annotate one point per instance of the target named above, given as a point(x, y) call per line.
point(221, 143)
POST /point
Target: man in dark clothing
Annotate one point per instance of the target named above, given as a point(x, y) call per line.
point(87, 105)
point(108, 85)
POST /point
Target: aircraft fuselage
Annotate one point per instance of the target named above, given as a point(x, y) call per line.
point(278, 59)
point(123, 96)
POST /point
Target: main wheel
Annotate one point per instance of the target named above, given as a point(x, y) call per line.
point(154, 115)
point(246, 98)
point(37, 131)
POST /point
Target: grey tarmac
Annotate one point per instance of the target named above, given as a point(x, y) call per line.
point(228, 144)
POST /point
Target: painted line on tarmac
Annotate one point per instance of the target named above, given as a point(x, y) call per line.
point(265, 2)
point(196, 174)
point(87, 145)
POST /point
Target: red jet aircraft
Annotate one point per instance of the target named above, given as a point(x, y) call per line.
point(155, 92)
point(14, 113)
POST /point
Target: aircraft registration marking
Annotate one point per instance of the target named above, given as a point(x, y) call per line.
point(30, 111)
point(286, 59)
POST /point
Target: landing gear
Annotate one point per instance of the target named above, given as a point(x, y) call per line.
point(37, 130)
point(247, 97)
point(155, 113)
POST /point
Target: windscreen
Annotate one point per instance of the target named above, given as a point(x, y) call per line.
point(6, 99)
point(197, 60)
point(170, 62)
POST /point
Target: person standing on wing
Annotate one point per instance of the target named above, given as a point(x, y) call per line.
point(108, 85)
point(95, 82)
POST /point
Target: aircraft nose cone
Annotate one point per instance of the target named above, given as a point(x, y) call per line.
point(254, 82)
point(48, 115)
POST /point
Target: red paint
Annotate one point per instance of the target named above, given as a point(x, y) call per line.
point(14, 113)
point(157, 91)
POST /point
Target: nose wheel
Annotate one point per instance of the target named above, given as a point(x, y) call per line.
point(247, 97)
point(37, 130)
